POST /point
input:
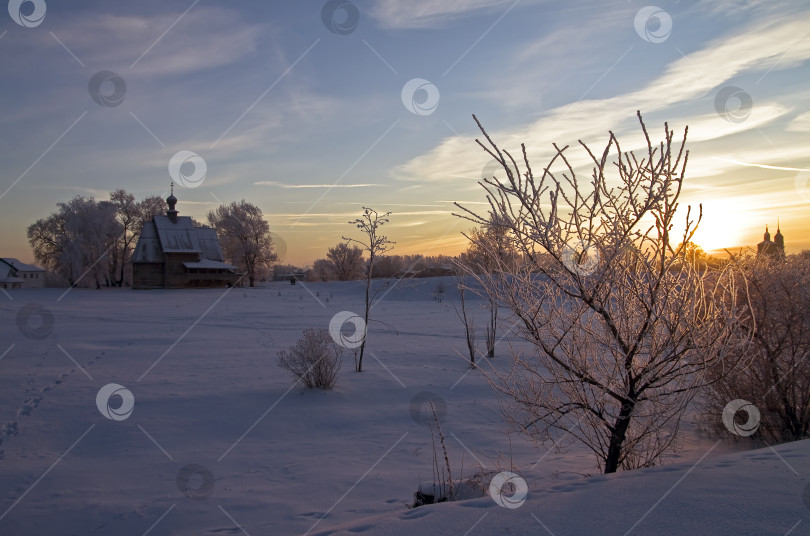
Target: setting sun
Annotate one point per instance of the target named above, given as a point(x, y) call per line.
point(722, 225)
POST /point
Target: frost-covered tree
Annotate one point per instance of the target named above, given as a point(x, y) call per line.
point(776, 376)
point(322, 270)
point(375, 244)
point(245, 237)
point(621, 329)
point(491, 249)
point(346, 261)
point(77, 241)
point(131, 215)
point(93, 230)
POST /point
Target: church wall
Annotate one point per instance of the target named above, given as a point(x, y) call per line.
point(174, 271)
point(147, 275)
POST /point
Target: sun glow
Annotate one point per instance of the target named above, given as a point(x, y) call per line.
point(722, 225)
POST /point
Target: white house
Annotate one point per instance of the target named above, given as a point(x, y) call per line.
point(15, 274)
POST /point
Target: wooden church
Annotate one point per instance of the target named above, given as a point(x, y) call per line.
point(173, 253)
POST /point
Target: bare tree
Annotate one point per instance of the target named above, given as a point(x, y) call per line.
point(245, 236)
point(621, 330)
point(466, 319)
point(147, 208)
point(777, 377)
point(127, 215)
point(131, 215)
point(347, 261)
point(491, 250)
point(48, 241)
point(375, 244)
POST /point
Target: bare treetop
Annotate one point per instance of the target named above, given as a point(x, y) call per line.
point(369, 223)
point(637, 209)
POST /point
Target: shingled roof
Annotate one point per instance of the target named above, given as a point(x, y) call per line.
point(20, 266)
point(161, 235)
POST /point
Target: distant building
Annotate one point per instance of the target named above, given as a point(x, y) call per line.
point(173, 253)
point(775, 249)
point(15, 274)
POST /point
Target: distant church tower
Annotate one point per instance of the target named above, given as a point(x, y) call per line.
point(774, 249)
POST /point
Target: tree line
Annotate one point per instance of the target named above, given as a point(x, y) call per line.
point(345, 262)
point(88, 242)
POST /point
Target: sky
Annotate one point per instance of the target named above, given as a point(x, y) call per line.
point(312, 110)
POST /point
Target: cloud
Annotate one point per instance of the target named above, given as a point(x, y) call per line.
point(295, 186)
point(711, 126)
point(800, 123)
point(203, 38)
point(689, 79)
point(356, 204)
point(762, 166)
point(423, 213)
point(532, 75)
point(396, 14)
point(741, 8)
point(726, 160)
point(346, 216)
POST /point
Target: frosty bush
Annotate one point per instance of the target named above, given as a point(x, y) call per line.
point(622, 329)
point(776, 378)
point(314, 360)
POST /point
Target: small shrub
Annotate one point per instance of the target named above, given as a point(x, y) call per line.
point(314, 360)
point(442, 487)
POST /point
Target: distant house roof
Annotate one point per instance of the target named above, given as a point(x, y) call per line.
point(21, 266)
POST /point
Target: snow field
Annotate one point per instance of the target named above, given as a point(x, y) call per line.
point(208, 395)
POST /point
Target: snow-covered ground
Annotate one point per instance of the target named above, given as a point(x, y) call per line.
point(221, 441)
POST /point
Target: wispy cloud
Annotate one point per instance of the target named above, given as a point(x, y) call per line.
point(738, 8)
point(396, 14)
point(800, 123)
point(297, 186)
point(728, 160)
point(205, 38)
point(684, 81)
point(762, 166)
